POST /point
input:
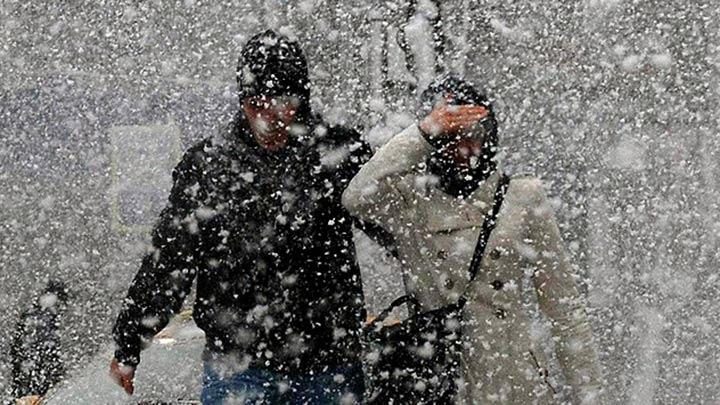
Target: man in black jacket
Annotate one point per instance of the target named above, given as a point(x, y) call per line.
point(255, 216)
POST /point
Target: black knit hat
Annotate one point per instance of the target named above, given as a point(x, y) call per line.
point(272, 65)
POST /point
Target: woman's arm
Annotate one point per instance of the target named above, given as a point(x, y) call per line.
point(373, 194)
point(560, 299)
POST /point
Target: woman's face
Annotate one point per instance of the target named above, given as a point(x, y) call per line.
point(465, 152)
point(270, 119)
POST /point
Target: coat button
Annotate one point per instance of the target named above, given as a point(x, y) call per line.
point(495, 254)
point(497, 285)
point(441, 254)
point(449, 284)
point(500, 313)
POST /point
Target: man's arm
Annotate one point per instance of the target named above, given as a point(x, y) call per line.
point(560, 299)
point(357, 154)
point(167, 272)
point(343, 154)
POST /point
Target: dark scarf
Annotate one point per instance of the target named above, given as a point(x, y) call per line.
point(456, 181)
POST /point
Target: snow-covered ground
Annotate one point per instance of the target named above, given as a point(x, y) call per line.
point(170, 372)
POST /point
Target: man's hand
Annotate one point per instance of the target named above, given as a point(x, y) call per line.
point(122, 375)
point(447, 120)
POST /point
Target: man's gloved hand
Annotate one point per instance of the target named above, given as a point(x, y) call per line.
point(122, 375)
point(448, 120)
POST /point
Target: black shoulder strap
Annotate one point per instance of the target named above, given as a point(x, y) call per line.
point(487, 228)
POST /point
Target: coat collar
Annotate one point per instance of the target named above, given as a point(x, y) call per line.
point(449, 213)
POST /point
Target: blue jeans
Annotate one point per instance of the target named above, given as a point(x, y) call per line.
point(256, 385)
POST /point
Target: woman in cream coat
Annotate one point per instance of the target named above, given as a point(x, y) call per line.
point(436, 221)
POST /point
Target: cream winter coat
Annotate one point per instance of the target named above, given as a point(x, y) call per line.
point(524, 265)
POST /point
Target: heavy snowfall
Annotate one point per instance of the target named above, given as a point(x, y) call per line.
point(612, 103)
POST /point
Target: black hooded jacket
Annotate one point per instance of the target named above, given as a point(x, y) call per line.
point(266, 237)
point(270, 244)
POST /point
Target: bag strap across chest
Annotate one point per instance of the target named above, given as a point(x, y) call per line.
point(487, 228)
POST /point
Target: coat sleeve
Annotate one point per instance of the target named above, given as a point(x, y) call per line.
point(373, 195)
point(560, 300)
point(167, 271)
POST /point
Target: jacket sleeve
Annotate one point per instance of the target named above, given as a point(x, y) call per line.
point(560, 300)
point(359, 154)
point(373, 194)
point(167, 271)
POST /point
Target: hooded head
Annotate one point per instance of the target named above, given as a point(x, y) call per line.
point(54, 296)
point(272, 65)
point(274, 90)
point(459, 92)
point(453, 179)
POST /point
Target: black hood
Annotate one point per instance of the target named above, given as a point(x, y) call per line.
point(272, 65)
point(453, 180)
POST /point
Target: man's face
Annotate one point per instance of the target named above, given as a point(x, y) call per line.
point(270, 119)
